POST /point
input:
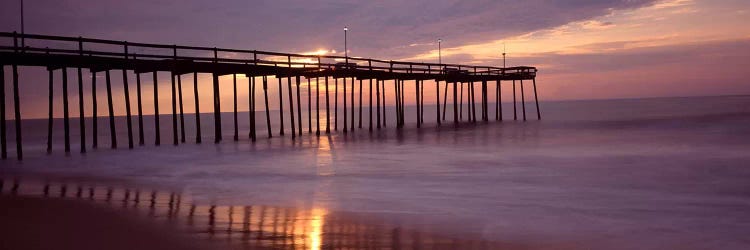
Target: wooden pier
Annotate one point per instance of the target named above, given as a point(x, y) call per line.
point(77, 53)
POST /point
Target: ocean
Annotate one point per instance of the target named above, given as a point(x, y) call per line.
point(652, 173)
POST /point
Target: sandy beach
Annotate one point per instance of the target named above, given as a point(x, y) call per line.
point(38, 223)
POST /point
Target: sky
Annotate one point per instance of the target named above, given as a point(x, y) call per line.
point(584, 49)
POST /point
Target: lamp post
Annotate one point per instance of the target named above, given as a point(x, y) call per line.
point(440, 54)
point(346, 50)
point(503, 55)
point(22, 26)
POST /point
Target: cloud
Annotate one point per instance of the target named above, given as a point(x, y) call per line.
point(376, 27)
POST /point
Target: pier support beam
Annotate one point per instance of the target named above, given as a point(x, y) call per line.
point(445, 99)
point(157, 128)
point(128, 117)
point(370, 106)
point(515, 110)
point(3, 135)
point(309, 107)
point(95, 116)
point(397, 99)
point(351, 124)
point(384, 115)
point(17, 111)
point(66, 115)
point(251, 104)
point(217, 109)
point(421, 101)
point(299, 109)
point(336, 104)
point(291, 107)
point(498, 103)
point(419, 107)
point(345, 116)
point(461, 101)
point(81, 114)
point(536, 99)
point(197, 109)
point(50, 104)
point(234, 106)
point(437, 102)
point(328, 110)
point(175, 136)
point(473, 104)
point(377, 96)
point(523, 102)
point(110, 109)
point(402, 90)
point(360, 104)
point(268, 113)
point(281, 108)
point(455, 103)
point(182, 111)
point(485, 106)
point(140, 108)
point(317, 106)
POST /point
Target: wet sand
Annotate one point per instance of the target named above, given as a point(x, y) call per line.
point(61, 213)
point(38, 223)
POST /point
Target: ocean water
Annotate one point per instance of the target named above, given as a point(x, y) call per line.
point(657, 173)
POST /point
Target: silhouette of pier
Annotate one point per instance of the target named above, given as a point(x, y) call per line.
point(98, 57)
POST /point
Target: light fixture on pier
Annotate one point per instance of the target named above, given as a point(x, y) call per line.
point(440, 55)
point(346, 49)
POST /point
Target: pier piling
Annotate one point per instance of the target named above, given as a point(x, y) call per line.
point(328, 111)
point(81, 113)
point(197, 109)
point(455, 103)
point(66, 115)
point(299, 109)
point(175, 135)
point(377, 95)
point(515, 110)
point(128, 117)
point(140, 108)
point(234, 106)
point(251, 105)
point(281, 107)
point(437, 102)
point(3, 135)
point(336, 104)
point(317, 106)
point(345, 116)
point(95, 116)
point(498, 103)
point(523, 102)
point(157, 128)
point(360, 104)
point(217, 109)
point(268, 112)
point(536, 100)
point(110, 110)
point(291, 107)
point(50, 104)
point(351, 123)
point(384, 115)
point(182, 112)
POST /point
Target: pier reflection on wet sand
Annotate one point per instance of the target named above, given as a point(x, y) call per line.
point(246, 227)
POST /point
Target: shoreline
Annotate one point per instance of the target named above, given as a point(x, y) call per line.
point(53, 214)
point(38, 223)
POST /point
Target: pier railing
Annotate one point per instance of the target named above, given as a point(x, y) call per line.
point(81, 46)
